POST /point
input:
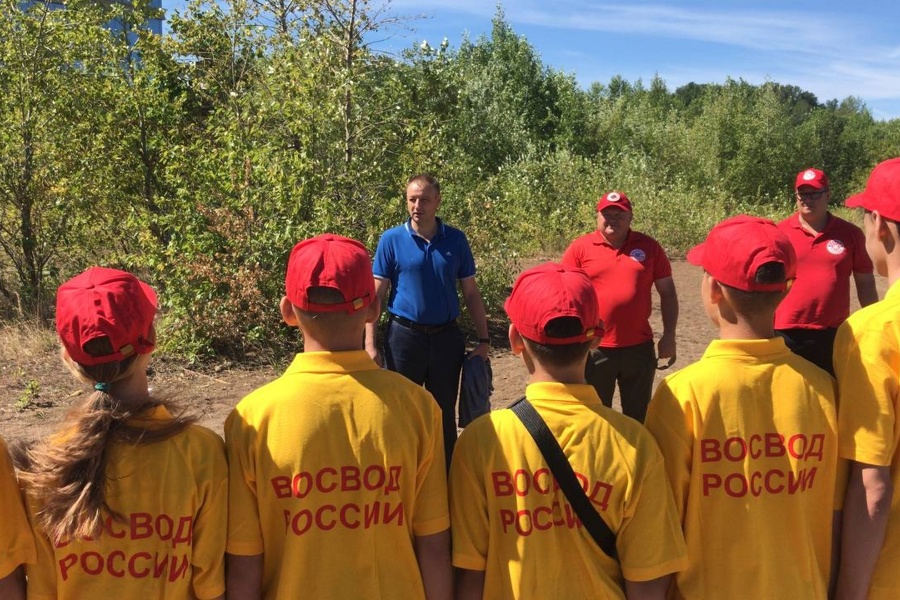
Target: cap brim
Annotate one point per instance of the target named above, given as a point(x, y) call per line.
point(616, 205)
point(816, 185)
point(856, 201)
point(695, 255)
point(149, 293)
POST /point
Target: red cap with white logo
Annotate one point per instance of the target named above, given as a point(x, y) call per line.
point(813, 178)
point(614, 200)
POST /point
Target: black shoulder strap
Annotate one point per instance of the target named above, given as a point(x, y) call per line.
point(565, 476)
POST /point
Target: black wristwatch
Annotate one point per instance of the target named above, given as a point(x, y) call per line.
point(484, 341)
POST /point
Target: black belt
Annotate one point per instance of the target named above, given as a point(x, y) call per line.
point(418, 327)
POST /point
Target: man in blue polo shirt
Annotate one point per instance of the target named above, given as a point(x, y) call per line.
point(422, 260)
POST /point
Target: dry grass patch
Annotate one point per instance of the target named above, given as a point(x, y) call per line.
point(25, 341)
point(27, 354)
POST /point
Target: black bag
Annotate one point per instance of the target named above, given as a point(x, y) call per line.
point(565, 476)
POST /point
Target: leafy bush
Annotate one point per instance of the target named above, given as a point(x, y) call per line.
point(197, 160)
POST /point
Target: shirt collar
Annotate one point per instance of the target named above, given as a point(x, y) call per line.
point(332, 362)
point(148, 418)
point(601, 241)
point(750, 348)
point(552, 391)
point(893, 291)
point(796, 224)
point(412, 232)
point(153, 415)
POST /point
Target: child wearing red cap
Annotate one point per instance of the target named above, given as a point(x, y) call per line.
point(16, 541)
point(749, 433)
point(128, 498)
point(515, 534)
point(338, 486)
point(867, 365)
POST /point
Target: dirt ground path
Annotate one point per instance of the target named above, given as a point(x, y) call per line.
point(36, 392)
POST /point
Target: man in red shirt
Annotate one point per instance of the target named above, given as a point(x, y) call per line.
point(829, 250)
point(623, 266)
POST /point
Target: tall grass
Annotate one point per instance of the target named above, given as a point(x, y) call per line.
point(25, 340)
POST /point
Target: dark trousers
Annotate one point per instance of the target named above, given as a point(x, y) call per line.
point(632, 368)
point(433, 360)
point(815, 345)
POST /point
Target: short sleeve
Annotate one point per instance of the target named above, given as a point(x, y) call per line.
point(431, 511)
point(867, 393)
point(466, 259)
point(470, 524)
point(244, 528)
point(16, 541)
point(41, 572)
point(209, 531)
point(572, 256)
point(383, 263)
point(662, 268)
point(668, 422)
point(650, 541)
point(840, 483)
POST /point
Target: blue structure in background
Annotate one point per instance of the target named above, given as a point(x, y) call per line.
point(154, 25)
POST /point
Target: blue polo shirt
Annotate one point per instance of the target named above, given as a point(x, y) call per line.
point(423, 274)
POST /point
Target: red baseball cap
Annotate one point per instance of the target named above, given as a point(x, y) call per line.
point(330, 261)
point(813, 178)
point(736, 248)
point(549, 291)
point(105, 303)
point(614, 200)
point(882, 191)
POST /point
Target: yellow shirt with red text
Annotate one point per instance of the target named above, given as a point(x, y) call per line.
point(335, 467)
point(749, 435)
point(170, 544)
point(511, 520)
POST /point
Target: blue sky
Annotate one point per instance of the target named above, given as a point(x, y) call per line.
point(832, 48)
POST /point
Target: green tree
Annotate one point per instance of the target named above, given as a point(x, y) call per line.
point(53, 63)
point(507, 100)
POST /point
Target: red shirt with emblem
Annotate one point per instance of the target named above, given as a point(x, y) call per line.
point(623, 280)
point(820, 296)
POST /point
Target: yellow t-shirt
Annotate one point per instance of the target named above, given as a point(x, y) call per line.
point(173, 496)
point(16, 541)
point(867, 364)
point(335, 467)
point(512, 521)
point(749, 435)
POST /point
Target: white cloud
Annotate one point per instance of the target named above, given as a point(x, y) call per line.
point(830, 54)
point(823, 47)
point(758, 30)
point(754, 29)
point(878, 82)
